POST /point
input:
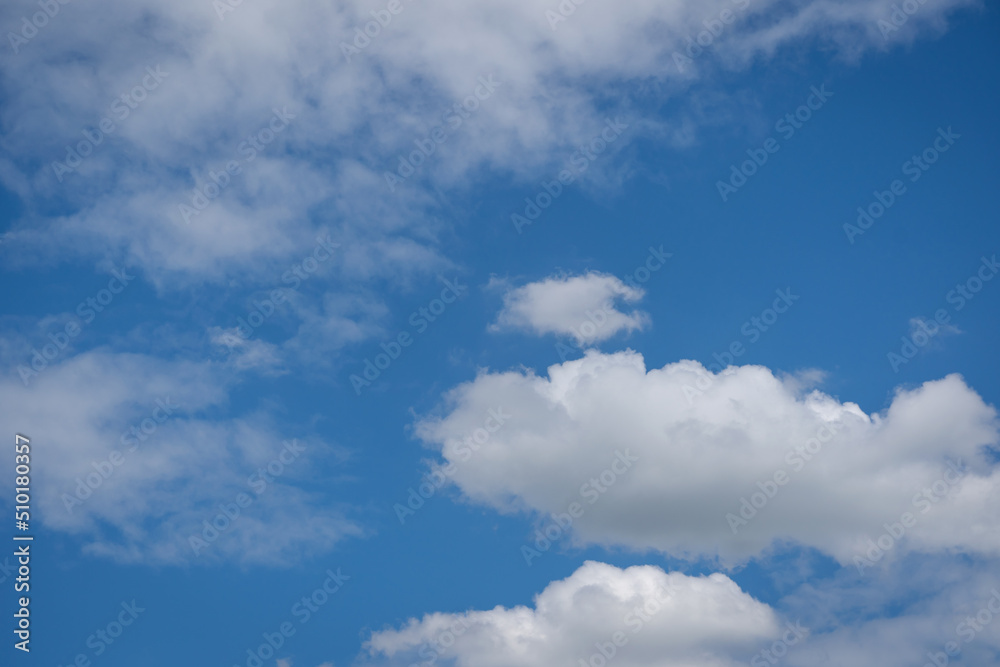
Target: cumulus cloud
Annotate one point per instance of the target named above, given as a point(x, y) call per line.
point(663, 619)
point(728, 464)
point(131, 455)
point(584, 307)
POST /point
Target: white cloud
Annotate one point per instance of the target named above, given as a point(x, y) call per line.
point(151, 488)
point(288, 663)
point(705, 441)
point(321, 330)
point(246, 354)
point(926, 334)
point(899, 615)
point(584, 307)
point(664, 618)
point(353, 120)
point(338, 320)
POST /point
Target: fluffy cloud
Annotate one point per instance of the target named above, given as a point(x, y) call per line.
point(728, 464)
point(663, 618)
point(583, 307)
point(131, 455)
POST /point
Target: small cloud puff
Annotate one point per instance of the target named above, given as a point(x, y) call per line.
point(583, 307)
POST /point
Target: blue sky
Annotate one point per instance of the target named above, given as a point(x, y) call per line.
point(518, 359)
